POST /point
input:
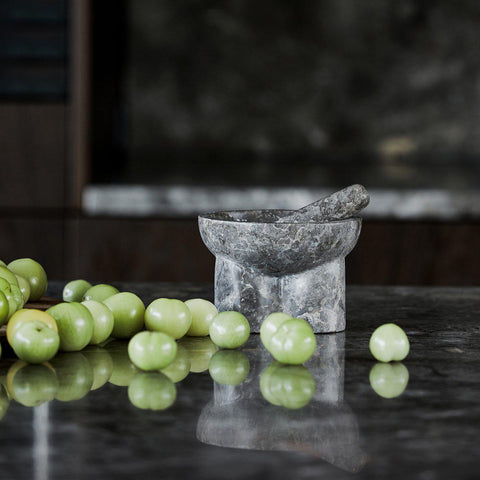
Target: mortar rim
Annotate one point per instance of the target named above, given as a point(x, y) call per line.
point(207, 216)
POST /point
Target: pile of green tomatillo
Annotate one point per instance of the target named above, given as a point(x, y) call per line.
point(91, 315)
point(21, 281)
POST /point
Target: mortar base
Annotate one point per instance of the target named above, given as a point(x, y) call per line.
point(317, 295)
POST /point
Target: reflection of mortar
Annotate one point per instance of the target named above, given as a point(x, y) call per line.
point(239, 417)
point(263, 266)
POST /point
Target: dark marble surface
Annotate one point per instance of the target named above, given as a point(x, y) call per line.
point(287, 93)
point(347, 431)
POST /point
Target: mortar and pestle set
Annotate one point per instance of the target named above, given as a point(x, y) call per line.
point(286, 261)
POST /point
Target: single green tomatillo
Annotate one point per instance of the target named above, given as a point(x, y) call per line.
point(203, 312)
point(152, 350)
point(75, 325)
point(271, 325)
point(293, 343)
point(169, 316)
point(75, 290)
point(35, 342)
point(389, 342)
point(128, 314)
point(229, 329)
point(34, 273)
point(100, 292)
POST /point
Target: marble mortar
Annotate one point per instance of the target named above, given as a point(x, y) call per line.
point(264, 266)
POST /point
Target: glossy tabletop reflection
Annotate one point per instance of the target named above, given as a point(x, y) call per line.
point(328, 419)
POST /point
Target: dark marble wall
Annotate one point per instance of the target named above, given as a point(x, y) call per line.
point(276, 91)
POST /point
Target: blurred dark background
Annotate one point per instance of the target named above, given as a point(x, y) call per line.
point(121, 120)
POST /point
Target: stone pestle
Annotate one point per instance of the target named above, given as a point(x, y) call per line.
point(340, 205)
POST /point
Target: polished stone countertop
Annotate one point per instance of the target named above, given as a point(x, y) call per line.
point(212, 431)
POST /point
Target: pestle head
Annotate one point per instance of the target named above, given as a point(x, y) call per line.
point(340, 205)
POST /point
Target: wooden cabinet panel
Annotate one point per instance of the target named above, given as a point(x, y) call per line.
point(110, 249)
point(38, 238)
point(138, 250)
point(416, 253)
point(396, 253)
point(33, 149)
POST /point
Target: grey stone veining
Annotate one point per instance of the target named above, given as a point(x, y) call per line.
point(263, 266)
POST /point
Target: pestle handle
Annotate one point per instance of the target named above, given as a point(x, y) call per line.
point(337, 206)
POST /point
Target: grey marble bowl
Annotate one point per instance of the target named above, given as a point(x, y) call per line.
point(264, 267)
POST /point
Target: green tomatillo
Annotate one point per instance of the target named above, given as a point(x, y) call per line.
point(128, 314)
point(389, 342)
point(169, 316)
point(100, 292)
point(229, 330)
point(203, 312)
point(35, 342)
point(293, 343)
point(75, 290)
point(34, 273)
point(75, 325)
point(152, 350)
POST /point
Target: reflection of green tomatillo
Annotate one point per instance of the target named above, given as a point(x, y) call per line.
point(152, 391)
point(389, 380)
point(101, 363)
point(32, 385)
point(201, 350)
point(229, 367)
point(75, 376)
point(180, 367)
point(123, 369)
point(290, 386)
point(4, 401)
